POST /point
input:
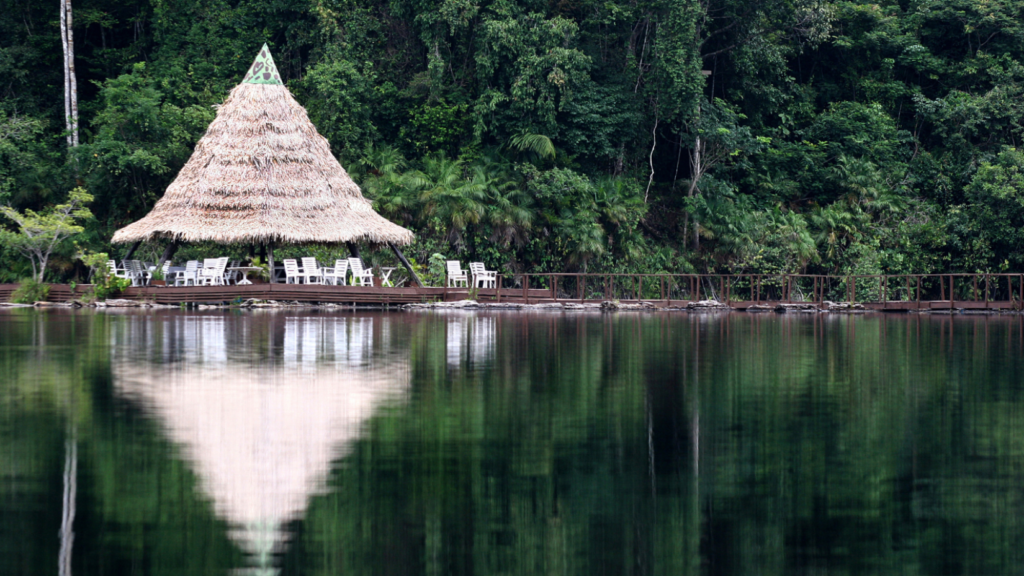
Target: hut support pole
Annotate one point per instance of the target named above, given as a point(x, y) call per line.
point(407, 265)
point(131, 251)
point(353, 249)
point(168, 252)
point(270, 261)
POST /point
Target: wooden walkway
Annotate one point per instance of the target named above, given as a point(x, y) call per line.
point(520, 294)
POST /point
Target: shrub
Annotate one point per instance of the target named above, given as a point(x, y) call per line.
point(108, 286)
point(30, 290)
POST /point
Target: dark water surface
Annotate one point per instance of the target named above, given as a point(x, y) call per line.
point(462, 443)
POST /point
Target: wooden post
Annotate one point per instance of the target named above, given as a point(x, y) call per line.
point(942, 288)
point(526, 288)
point(554, 288)
point(168, 252)
point(581, 287)
point(918, 291)
point(270, 262)
point(401, 258)
point(497, 282)
point(952, 294)
point(131, 250)
point(662, 287)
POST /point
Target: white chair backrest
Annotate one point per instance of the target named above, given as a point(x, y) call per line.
point(165, 268)
point(340, 267)
point(112, 266)
point(356, 265)
point(191, 265)
point(309, 265)
point(210, 263)
point(476, 268)
point(454, 267)
point(291, 267)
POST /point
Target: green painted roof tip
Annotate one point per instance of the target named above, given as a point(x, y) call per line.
point(263, 69)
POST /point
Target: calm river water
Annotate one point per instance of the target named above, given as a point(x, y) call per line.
point(488, 443)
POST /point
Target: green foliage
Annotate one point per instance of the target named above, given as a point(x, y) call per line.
point(869, 129)
point(109, 285)
point(41, 233)
point(140, 142)
point(29, 291)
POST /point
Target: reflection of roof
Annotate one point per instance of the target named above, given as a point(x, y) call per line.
point(262, 436)
point(263, 173)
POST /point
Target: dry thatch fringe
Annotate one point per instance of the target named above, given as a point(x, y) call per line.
point(262, 173)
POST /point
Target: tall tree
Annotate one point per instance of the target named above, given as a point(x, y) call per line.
point(70, 81)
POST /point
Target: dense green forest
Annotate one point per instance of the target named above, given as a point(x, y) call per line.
point(747, 136)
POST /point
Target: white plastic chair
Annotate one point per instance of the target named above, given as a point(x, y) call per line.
point(190, 274)
point(212, 273)
point(456, 274)
point(483, 278)
point(115, 271)
point(231, 276)
point(364, 276)
point(311, 272)
point(336, 276)
point(291, 271)
point(137, 272)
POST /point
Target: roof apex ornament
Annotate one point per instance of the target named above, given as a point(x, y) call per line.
point(263, 69)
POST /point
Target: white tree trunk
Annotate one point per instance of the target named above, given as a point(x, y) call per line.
point(67, 70)
point(696, 171)
point(67, 38)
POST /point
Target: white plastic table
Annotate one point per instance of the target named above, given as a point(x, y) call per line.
point(245, 273)
point(385, 274)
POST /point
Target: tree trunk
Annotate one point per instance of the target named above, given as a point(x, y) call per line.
point(67, 70)
point(72, 75)
point(696, 172)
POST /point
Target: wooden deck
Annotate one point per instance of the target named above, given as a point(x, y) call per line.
point(375, 296)
point(295, 293)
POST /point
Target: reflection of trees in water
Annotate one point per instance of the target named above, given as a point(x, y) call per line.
point(871, 445)
point(825, 444)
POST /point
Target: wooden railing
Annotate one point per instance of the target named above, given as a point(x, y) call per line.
point(881, 289)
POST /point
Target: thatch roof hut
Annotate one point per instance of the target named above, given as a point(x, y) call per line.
point(262, 174)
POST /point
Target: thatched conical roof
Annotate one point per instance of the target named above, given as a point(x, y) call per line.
point(262, 173)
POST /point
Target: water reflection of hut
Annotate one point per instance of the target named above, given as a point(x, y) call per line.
point(469, 336)
point(262, 435)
